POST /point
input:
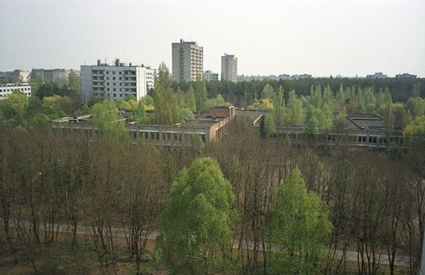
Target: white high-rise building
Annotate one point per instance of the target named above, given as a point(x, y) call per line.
point(112, 82)
point(188, 61)
point(229, 68)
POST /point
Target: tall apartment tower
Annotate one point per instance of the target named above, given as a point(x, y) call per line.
point(115, 81)
point(188, 61)
point(229, 68)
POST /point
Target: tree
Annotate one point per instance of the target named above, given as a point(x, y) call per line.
point(191, 101)
point(298, 229)
point(279, 107)
point(294, 110)
point(196, 227)
point(269, 125)
point(200, 93)
point(107, 120)
point(166, 108)
point(14, 107)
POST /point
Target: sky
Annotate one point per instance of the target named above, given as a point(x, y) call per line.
point(269, 37)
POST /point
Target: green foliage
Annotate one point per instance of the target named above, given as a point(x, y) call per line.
point(139, 115)
point(218, 101)
point(186, 115)
point(200, 93)
point(416, 129)
point(57, 106)
point(107, 120)
point(268, 92)
point(318, 118)
point(262, 104)
point(191, 101)
point(299, 227)
point(269, 125)
point(294, 111)
point(416, 106)
point(166, 107)
point(279, 107)
point(196, 227)
point(13, 108)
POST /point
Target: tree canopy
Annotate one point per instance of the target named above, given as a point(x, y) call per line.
point(299, 227)
point(196, 227)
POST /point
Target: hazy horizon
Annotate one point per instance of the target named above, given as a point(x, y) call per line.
point(322, 38)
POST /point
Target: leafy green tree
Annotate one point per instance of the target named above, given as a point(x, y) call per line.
point(294, 111)
point(196, 227)
point(279, 107)
point(107, 120)
point(57, 106)
point(139, 114)
point(262, 104)
point(416, 106)
point(268, 92)
point(191, 101)
point(269, 125)
point(200, 93)
point(299, 228)
point(14, 107)
point(416, 89)
point(186, 115)
point(312, 119)
point(166, 108)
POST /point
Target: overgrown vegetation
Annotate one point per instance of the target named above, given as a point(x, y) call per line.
point(88, 206)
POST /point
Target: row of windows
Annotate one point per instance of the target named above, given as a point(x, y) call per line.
point(113, 72)
point(165, 136)
point(3, 94)
point(112, 84)
point(114, 89)
point(12, 89)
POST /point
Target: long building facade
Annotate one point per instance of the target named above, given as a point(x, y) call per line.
point(9, 88)
point(52, 75)
point(188, 61)
point(115, 81)
point(229, 68)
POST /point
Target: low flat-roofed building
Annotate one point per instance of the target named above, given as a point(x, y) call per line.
point(208, 129)
point(7, 89)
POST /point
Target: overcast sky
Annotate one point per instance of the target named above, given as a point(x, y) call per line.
point(318, 37)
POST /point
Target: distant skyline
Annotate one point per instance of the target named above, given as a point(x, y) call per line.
point(318, 37)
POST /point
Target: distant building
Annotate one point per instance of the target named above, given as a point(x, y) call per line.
point(284, 76)
point(209, 75)
point(7, 89)
point(229, 68)
point(112, 82)
point(16, 76)
point(188, 61)
point(377, 75)
point(301, 76)
point(52, 75)
point(406, 75)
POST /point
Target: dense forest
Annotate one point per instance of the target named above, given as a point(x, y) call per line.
point(247, 204)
